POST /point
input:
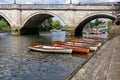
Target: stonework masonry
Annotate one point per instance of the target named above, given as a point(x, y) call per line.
point(72, 15)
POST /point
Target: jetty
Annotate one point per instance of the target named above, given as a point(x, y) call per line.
point(103, 65)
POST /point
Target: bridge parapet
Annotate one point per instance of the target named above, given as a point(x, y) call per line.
point(61, 6)
point(5, 6)
point(45, 6)
point(35, 6)
point(10, 6)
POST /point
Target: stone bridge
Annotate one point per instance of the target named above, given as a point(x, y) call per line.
point(25, 18)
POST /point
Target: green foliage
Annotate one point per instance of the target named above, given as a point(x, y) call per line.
point(49, 24)
point(56, 25)
point(96, 23)
point(109, 25)
point(4, 26)
point(89, 25)
point(46, 25)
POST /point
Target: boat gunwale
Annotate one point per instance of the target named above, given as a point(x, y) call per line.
point(62, 50)
point(50, 47)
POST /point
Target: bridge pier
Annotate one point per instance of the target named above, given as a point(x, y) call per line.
point(15, 31)
point(70, 30)
point(70, 33)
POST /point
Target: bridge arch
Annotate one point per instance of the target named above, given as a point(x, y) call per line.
point(6, 18)
point(81, 24)
point(32, 21)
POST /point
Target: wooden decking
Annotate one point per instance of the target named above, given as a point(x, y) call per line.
point(104, 65)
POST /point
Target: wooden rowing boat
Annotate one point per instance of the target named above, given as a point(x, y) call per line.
point(88, 40)
point(93, 47)
point(93, 40)
point(76, 49)
point(52, 49)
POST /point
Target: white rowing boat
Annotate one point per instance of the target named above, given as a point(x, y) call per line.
point(52, 49)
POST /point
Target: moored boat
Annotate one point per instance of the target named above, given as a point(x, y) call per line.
point(93, 47)
point(93, 39)
point(88, 40)
point(76, 49)
point(51, 49)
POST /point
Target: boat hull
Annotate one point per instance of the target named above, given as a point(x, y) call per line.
point(76, 49)
point(52, 49)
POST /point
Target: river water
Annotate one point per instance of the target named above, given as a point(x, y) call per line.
point(17, 62)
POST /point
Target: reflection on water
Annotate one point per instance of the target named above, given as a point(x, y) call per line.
point(17, 62)
point(105, 35)
point(81, 55)
point(55, 35)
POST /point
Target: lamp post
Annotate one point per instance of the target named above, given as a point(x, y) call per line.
point(14, 1)
point(70, 1)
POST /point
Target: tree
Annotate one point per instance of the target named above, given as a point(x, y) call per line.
point(4, 26)
point(56, 25)
point(89, 25)
point(49, 24)
point(110, 23)
point(97, 22)
point(46, 25)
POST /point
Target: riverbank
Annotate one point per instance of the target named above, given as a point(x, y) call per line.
point(115, 31)
point(104, 65)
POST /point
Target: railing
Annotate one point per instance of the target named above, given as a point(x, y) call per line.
point(54, 6)
point(45, 6)
point(6, 6)
point(34, 6)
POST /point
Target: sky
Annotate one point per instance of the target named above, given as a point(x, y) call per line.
point(54, 1)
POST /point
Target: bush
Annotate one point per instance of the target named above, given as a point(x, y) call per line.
point(4, 26)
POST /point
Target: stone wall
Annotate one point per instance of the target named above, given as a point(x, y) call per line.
point(115, 31)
